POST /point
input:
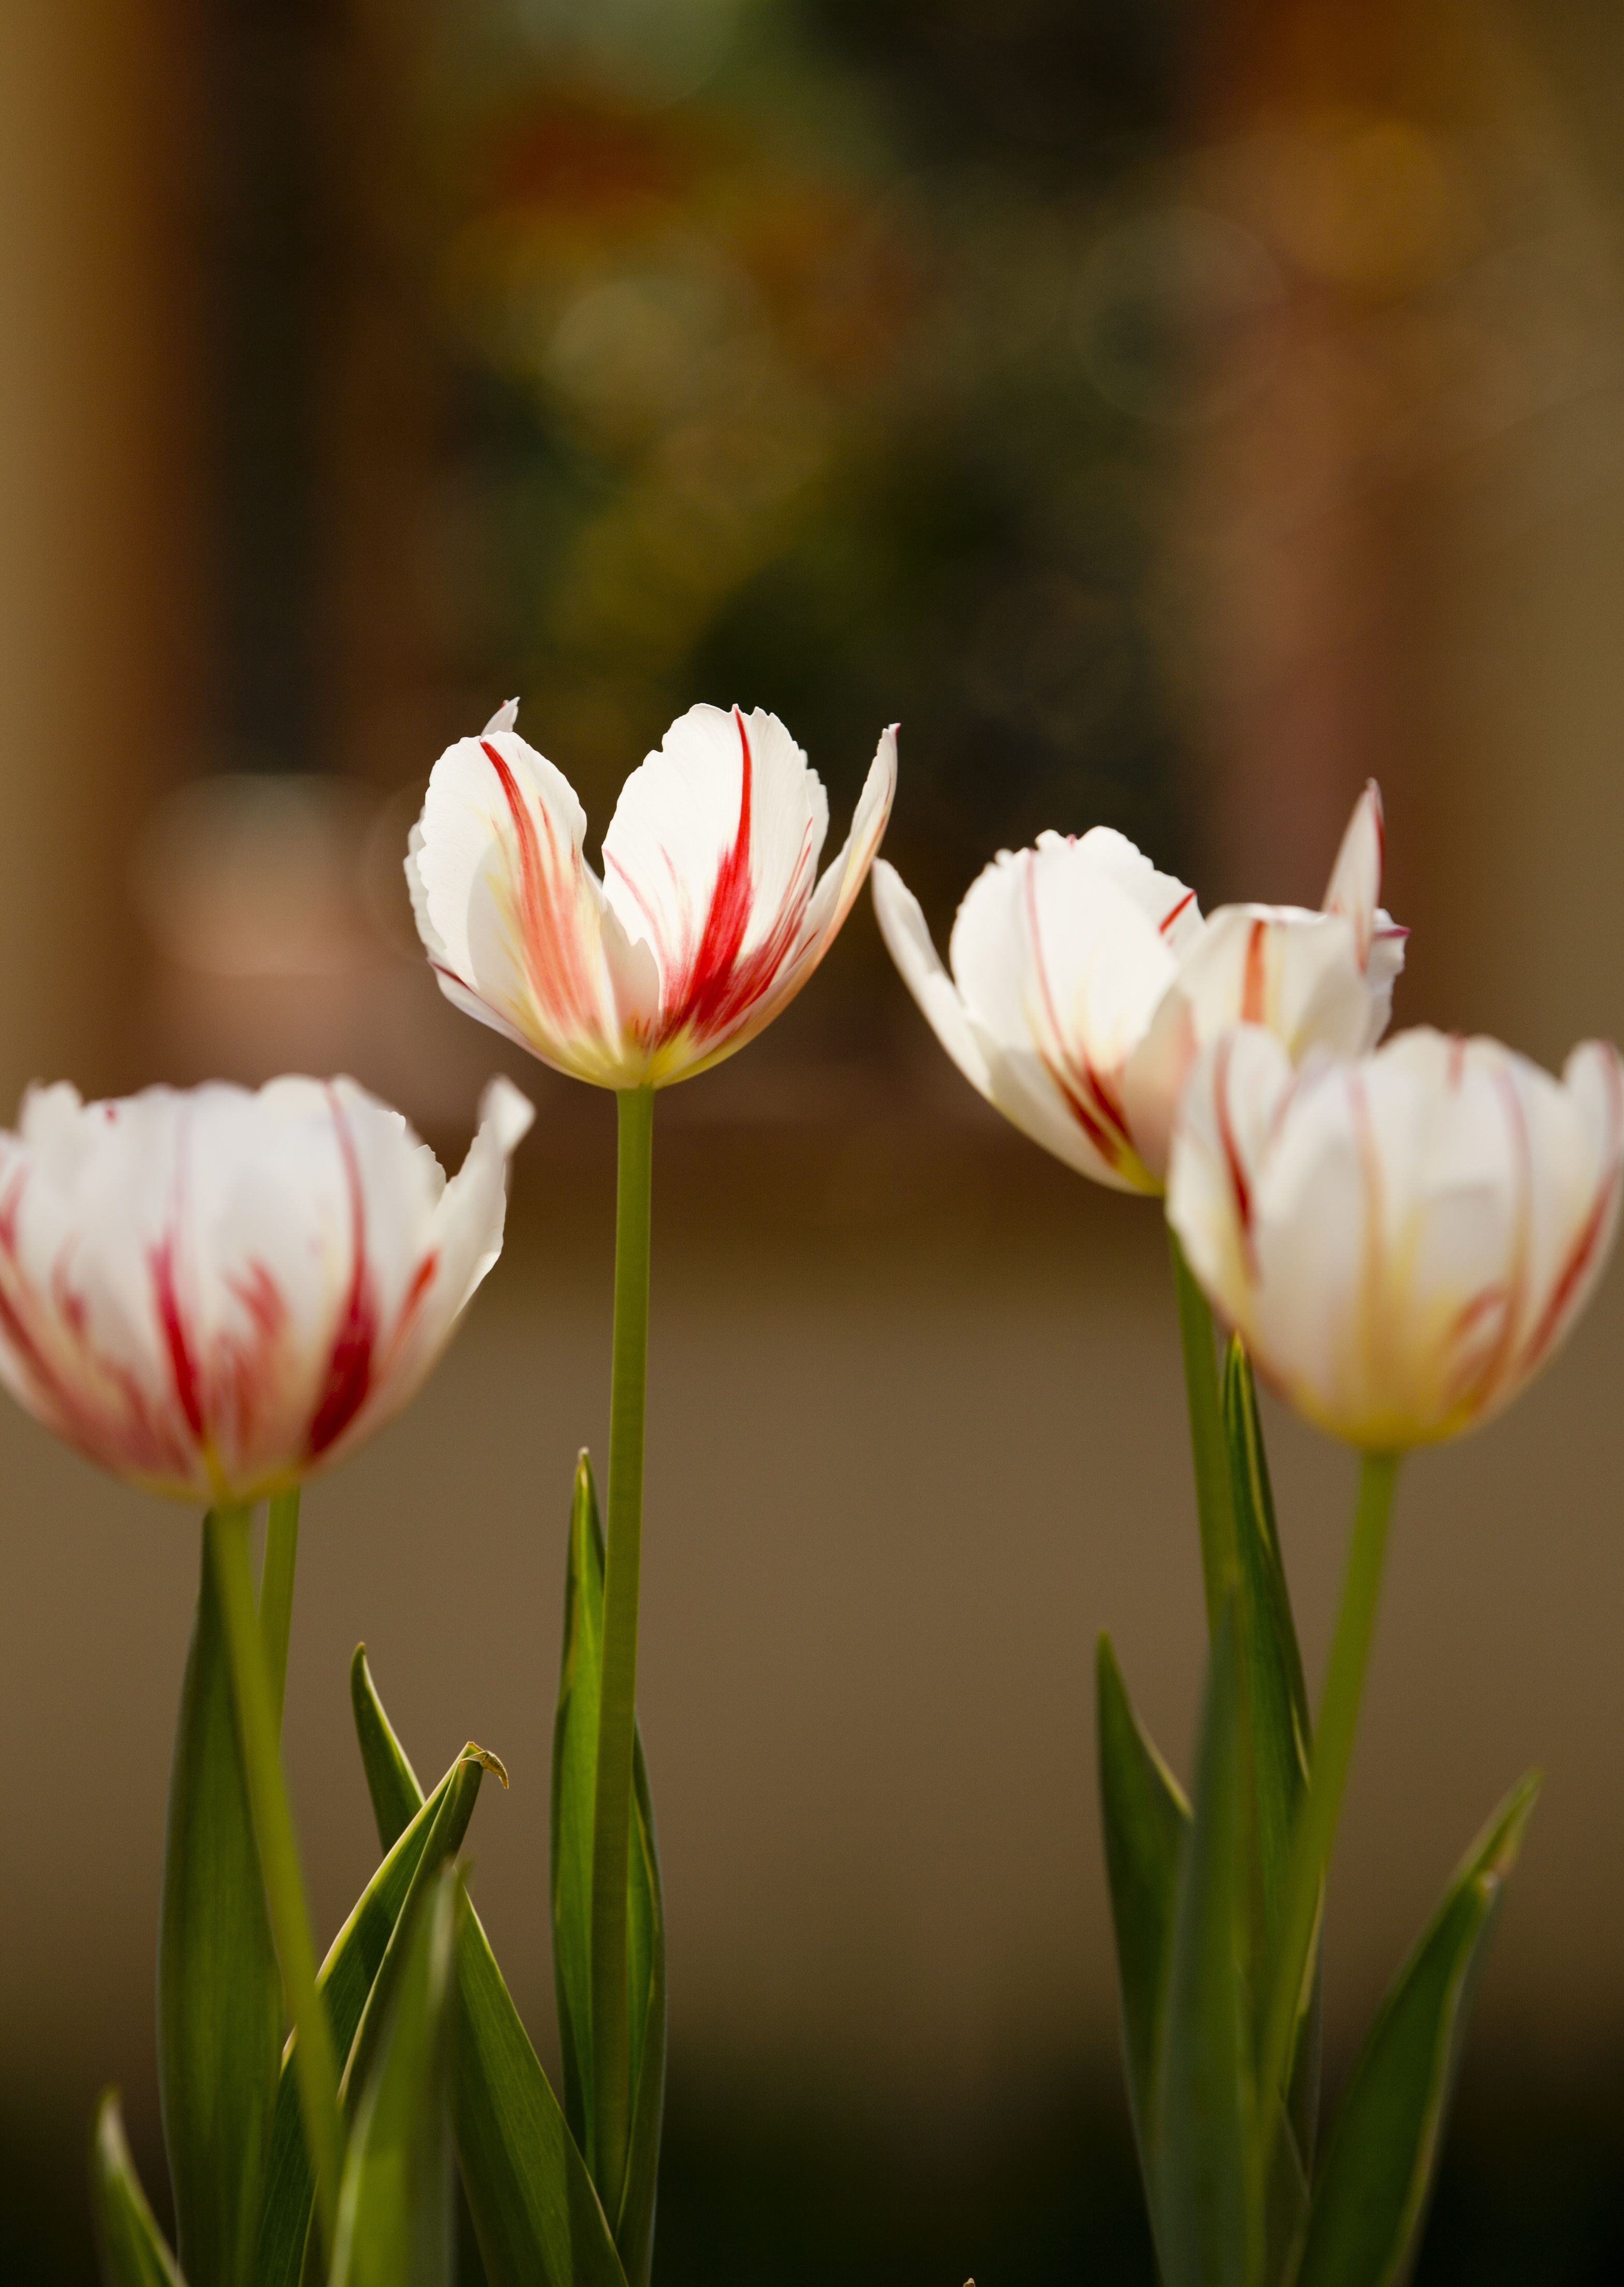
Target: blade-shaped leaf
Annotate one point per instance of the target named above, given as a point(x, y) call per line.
point(133, 2250)
point(575, 1774)
point(344, 1980)
point(574, 1769)
point(535, 2213)
point(1210, 2231)
point(1145, 1819)
point(634, 2233)
point(1277, 1740)
point(396, 1792)
point(396, 2208)
point(1370, 2202)
point(219, 1990)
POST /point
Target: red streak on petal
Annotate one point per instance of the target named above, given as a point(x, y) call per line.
point(183, 1368)
point(1237, 1182)
point(1582, 1253)
point(1092, 1104)
point(1255, 990)
point(1168, 918)
point(548, 925)
point(422, 1279)
point(722, 983)
point(1457, 1060)
point(349, 1366)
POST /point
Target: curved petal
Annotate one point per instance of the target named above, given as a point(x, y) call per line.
point(829, 904)
point(515, 921)
point(907, 940)
point(1354, 889)
point(1402, 1238)
point(1061, 971)
point(1162, 898)
point(213, 1293)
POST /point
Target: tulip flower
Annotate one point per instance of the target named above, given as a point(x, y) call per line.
point(1402, 1240)
point(710, 916)
point(1084, 984)
point(215, 1293)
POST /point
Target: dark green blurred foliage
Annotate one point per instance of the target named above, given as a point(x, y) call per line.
point(821, 387)
point(759, 2186)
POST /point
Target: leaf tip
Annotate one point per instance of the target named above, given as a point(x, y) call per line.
point(475, 1754)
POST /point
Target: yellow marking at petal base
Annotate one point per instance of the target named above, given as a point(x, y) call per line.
point(474, 1753)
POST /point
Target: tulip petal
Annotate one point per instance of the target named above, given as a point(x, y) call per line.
point(1061, 968)
point(907, 939)
point(1354, 889)
point(212, 1292)
point(1403, 1239)
point(516, 923)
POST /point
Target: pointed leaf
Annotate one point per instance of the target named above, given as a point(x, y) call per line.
point(574, 1778)
point(344, 1980)
point(634, 2234)
point(1210, 2232)
point(133, 2250)
point(535, 2213)
point(397, 1795)
point(1277, 1740)
point(1145, 1819)
point(1370, 2204)
point(396, 2209)
point(219, 1990)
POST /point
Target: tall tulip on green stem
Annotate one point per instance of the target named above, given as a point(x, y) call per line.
point(216, 1294)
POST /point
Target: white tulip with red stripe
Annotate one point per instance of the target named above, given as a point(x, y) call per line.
point(1084, 984)
point(709, 919)
point(1403, 1239)
point(214, 1293)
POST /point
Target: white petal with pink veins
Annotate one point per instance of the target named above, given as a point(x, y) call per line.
point(214, 1292)
point(1404, 1238)
point(515, 921)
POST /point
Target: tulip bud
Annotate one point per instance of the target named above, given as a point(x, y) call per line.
point(214, 1293)
point(1402, 1239)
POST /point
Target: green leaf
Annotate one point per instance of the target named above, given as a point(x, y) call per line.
point(1146, 1819)
point(535, 2213)
point(1210, 2232)
point(574, 1776)
point(133, 2250)
point(1278, 1737)
point(575, 1771)
point(397, 1795)
point(396, 2209)
point(344, 1980)
point(634, 2234)
point(1370, 2202)
point(219, 1990)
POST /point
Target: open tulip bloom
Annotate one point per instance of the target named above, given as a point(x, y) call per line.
point(1084, 984)
point(710, 916)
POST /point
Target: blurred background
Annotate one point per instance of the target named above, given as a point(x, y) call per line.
point(1175, 414)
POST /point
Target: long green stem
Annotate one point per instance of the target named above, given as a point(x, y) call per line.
point(1215, 1504)
point(1315, 1832)
point(617, 1697)
point(282, 1556)
point(278, 1863)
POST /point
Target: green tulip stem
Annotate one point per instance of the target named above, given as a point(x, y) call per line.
point(282, 1556)
point(258, 1726)
point(617, 1697)
point(1314, 1835)
point(1215, 1505)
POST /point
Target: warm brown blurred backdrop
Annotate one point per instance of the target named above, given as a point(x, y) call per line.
point(1175, 415)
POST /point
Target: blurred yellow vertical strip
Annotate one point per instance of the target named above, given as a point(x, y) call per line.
point(93, 511)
